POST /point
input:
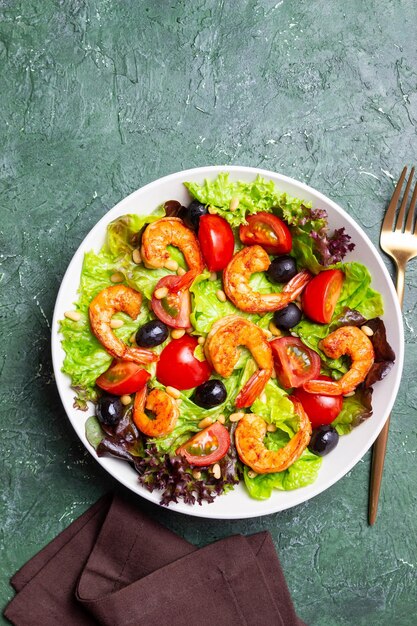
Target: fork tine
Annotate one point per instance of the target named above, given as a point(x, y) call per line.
point(409, 224)
point(389, 220)
point(401, 214)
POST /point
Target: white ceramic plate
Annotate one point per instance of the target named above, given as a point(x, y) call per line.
point(351, 448)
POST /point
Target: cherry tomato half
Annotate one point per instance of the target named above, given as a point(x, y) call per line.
point(321, 410)
point(268, 231)
point(206, 447)
point(123, 377)
point(216, 241)
point(179, 368)
point(174, 310)
point(295, 363)
point(321, 295)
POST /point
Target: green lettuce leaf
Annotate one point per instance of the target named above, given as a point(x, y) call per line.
point(258, 195)
point(207, 308)
point(300, 474)
point(121, 231)
point(355, 409)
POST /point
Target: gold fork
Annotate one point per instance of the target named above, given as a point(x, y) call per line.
point(399, 240)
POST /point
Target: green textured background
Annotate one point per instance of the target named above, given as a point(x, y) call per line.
point(99, 97)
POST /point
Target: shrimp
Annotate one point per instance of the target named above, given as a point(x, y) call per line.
point(170, 231)
point(163, 406)
point(249, 438)
point(348, 340)
point(221, 349)
point(236, 282)
point(101, 310)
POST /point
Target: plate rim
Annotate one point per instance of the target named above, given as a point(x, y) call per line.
point(260, 509)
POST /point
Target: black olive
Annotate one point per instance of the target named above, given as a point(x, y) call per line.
point(191, 215)
point(209, 394)
point(109, 410)
point(152, 334)
point(287, 318)
point(282, 269)
point(323, 440)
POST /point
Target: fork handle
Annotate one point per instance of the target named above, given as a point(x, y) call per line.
point(400, 281)
point(380, 445)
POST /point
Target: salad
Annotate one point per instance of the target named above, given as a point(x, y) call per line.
point(223, 342)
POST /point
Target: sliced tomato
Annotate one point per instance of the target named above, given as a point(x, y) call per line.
point(216, 241)
point(206, 447)
point(321, 295)
point(123, 377)
point(178, 367)
point(268, 231)
point(321, 410)
point(174, 310)
point(295, 363)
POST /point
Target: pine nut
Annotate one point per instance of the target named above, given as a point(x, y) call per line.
point(271, 428)
point(234, 203)
point(221, 419)
point(201, 341)
point(221, 295)
point(125, 400)
point(133, 338)
point(293, 334)
point(235, 417)
point(177, 333)
point(196, 474)
point(207, 421)
point(171, 265)
point(368, 331)
point(136, 258)
point(274, 330)
point(173, 392)
point(252, 474)
point(181, 271)
point(75, 316)
point(217, 472)
point(117, 277)
point(213, 276)
point(160, 293)
point(268, 333)
point(116, 323)
point(349, 395)
point(212, 210)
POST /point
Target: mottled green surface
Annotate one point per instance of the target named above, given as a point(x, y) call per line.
point(98, 97)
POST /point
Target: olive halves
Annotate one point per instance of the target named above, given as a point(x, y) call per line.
point(282, 269)
point(323, 440)
point(152, 334)
point(210, 394)
point(191, 215)
point(288, 317)
point(109, 410)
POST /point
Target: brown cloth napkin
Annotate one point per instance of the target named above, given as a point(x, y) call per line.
point(117, 567)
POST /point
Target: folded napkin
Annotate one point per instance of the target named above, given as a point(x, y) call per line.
point(117, 567)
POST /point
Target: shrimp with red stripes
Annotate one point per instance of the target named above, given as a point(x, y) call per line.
point(109, 301)
point(164, 408)
point(222, 351)
point(236, 278)
point(170, 231)
point(351, 341)
point(250, 435)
